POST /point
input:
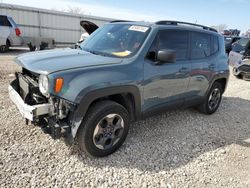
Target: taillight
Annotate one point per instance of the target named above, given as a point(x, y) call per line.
point(18, 32)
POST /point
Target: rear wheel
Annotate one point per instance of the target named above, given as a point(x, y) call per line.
point(5, 48)
point(104, 129)
point(212, 100)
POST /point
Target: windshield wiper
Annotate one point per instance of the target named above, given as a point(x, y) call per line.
point(97, 52)
point(90, 51)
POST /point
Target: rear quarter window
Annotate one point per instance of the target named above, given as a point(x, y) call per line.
point(215, 46)
point(4, 21)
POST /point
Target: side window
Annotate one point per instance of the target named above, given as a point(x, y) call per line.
point(173, 40)
point(200, 45)
point(215, 47)
point(4, 21)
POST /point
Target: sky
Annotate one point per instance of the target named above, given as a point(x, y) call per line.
point(233, 13)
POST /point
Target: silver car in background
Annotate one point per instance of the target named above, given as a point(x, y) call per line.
point(10, 34)
point(238, 50)
point(239, 58)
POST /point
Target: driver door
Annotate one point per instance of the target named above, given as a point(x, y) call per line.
point(165, 84)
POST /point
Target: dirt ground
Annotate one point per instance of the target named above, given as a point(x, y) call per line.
point(180, 148)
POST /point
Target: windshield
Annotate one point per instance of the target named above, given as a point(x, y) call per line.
point(243, 42)
point(117, 40)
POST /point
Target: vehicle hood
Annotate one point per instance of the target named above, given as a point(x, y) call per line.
point(49, 61)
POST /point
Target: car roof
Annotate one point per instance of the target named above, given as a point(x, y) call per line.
point(140, 23)
point(170, 24)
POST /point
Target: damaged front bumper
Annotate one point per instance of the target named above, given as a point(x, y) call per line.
point(30, 112)
point(44, 115)
point(242, 69)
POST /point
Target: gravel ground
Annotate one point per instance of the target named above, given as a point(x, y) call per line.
point(176, 149)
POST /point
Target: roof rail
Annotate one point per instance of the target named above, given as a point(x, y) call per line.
point(169, 22)
point(115, 21)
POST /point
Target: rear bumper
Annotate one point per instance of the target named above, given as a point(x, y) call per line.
point(30, 112)
point(16, 41)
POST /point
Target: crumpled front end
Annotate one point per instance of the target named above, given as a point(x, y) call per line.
point(51, 113)
point(242, 69)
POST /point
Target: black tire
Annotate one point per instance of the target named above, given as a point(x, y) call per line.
point(5, 48)
point(32, 48)
point(97, 113)
point(2, 49)
point(239, 77)
point(207, 107)
point(245, 78)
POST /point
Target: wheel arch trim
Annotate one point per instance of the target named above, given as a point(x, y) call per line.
point(94, 95)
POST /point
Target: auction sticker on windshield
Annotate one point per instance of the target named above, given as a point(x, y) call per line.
point(138, 28)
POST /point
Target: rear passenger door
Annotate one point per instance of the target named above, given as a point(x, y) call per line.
point(165, 85)
point(204, 49)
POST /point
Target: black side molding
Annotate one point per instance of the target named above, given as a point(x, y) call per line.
point(104, 92)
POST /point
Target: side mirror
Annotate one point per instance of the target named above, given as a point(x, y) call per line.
point(165, 56)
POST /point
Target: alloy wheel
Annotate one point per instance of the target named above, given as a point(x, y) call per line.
point(108, 131)
point(214, 99)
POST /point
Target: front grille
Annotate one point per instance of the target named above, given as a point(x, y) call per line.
point(32, 75)
point(29, 88)
point(244, 68)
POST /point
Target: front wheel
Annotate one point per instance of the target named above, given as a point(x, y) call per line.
point(212, 100)
point(104, 129)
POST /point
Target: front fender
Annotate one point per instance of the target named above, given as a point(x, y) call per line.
point(90, 97)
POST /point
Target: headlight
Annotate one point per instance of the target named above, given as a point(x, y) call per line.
point(44, 85)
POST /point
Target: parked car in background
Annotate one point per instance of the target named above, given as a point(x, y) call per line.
point(241, 68)
point(231, 32)
point(10, 34)
point(123, 72)
point(89, 27)
point(229, 40)
point(238, 50)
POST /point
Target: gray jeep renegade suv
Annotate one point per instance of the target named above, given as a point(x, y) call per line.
point(123, 72)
